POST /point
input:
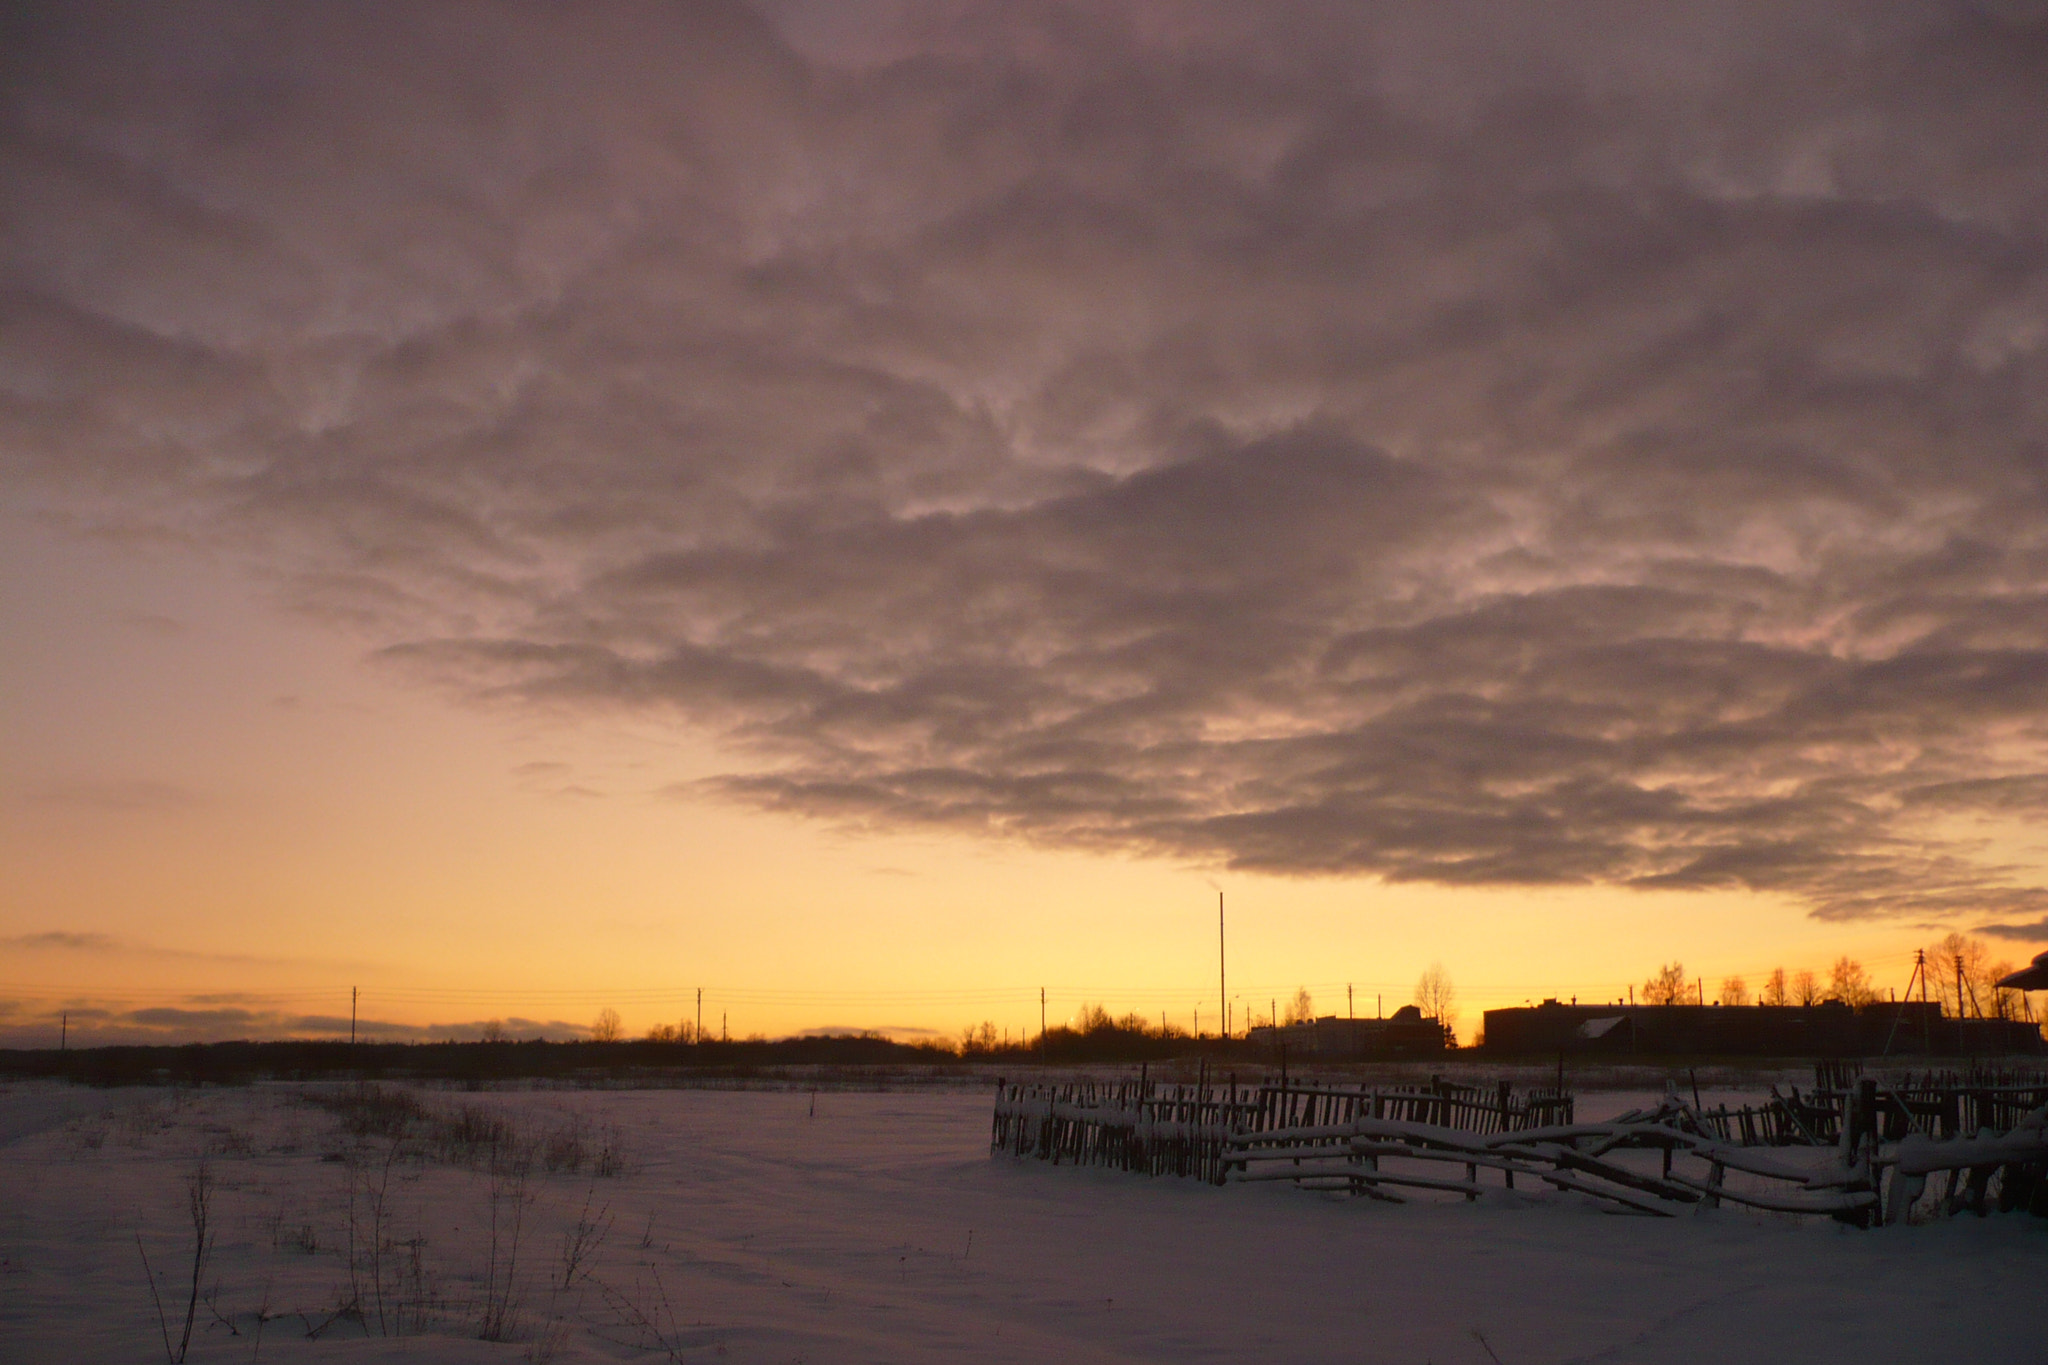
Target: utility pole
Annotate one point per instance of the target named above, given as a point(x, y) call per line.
point(351, 1015)
point(64, 1031)
point(1222, 976)
point(1349, 1012)
point(1919, 970)
point(1926, 1025)
point(700, 1014)
point(1962, 1034)
point(723, 1036)
point(1041, 1026)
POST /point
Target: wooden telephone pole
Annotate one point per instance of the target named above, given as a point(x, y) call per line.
point(1920, 975)
point(1222, 975)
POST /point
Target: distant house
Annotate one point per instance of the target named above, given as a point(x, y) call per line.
point(1831, 1029)
point(1407, 1033)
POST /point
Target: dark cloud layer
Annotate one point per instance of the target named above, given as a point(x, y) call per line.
point(1475, 444)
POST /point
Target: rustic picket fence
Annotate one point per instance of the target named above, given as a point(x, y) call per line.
point(1183, 1129)
point(1375, 1142)
point(1936, 1104)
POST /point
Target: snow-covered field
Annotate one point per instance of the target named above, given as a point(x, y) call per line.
point(737, 1226)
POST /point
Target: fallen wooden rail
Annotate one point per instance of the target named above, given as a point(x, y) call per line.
point(1576, 1157)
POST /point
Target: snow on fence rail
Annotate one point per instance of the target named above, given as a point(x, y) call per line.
point(1577, 1157)
point(1888, 1140)
point(1935, 1104)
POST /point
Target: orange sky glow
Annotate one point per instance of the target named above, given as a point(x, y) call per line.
point(304, 824)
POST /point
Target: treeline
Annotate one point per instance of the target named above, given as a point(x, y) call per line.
point(1094, 1036)
point(240, 1062)
point(1958, 972)
point(1097, 1038)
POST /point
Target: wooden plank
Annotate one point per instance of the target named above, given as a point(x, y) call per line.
point(1362, 1176)
point(1846, 1202)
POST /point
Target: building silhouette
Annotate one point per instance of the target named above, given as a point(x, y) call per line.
point(1407, 1032)
point(1828, 1029)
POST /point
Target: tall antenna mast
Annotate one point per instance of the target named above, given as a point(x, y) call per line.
point(1222, 980)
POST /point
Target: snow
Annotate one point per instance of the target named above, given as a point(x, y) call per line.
point(880, 1230)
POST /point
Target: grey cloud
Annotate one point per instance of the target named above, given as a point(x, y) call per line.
point(1485, 445)
point(336, 1023)
point(2037, 932)
point(2024, 792)
point(63, 941)
point(192, 1021)
point(552, 778)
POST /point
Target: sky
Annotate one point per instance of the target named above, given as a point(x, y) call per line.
point(870, 511)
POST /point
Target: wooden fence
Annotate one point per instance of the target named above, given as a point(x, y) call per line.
point(1888, 1138)
point(1580, 1158)
point(1935, 1104)
point(1136, 1124)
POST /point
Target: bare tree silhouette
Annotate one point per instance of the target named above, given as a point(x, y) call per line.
point(1850, 984)
point(1959, 967)
point(1437, 998)
point(1775, 991)
point(1667, 987)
